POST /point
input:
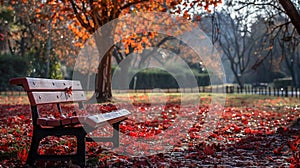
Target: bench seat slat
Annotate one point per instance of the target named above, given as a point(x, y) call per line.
point(111, 118)
point(37, 98)
point(41, 84)
point(48, 122)
point(61, 122)
point(103, 123)
point(77, 120)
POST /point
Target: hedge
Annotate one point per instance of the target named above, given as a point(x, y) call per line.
point(282, 82)
point(150, 79)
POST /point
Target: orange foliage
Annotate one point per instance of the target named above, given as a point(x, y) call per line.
point(90, 16)
point(83, 18)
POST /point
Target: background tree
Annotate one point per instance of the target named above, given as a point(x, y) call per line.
point(237, 44)
point(40, 38)
point(232, 36)
point(289, 46)
point(268, 50)
point(272, 12)
point(6, 27)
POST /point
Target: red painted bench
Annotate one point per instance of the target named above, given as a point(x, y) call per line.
point(49, 91)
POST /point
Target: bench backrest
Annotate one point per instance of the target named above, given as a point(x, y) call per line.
point(49, 91)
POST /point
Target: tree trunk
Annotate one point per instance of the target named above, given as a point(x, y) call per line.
point(88, 81)
point(48, 49)
point(103, 79)
point(292, 12)
point(240, 81)
point(105, 46)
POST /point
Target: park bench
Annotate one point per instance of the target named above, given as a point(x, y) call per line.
point(48, 91)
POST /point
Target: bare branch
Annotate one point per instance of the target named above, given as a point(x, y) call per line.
point(292, 12)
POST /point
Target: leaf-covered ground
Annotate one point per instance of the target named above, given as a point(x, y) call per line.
point(256, 133)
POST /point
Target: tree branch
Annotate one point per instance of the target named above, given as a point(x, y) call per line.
point(74, 6)
point(292, 12)
point(132, 3)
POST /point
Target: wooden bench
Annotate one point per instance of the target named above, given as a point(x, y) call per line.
point(48, 91)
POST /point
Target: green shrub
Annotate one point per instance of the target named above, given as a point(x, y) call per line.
point(282, 82)
point(156, 78)
point(55, 69)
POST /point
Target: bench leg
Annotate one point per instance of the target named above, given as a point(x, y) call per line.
point(38, 135)
point(80, 155)
point(33, 152)
point(116, 135)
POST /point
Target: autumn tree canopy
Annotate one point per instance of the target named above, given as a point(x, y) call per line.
point(86, 17)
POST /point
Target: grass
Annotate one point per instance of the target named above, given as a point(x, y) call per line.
point(229, 99)
point(232, 100)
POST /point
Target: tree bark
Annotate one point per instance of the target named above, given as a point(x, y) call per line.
point(105, 46)
point(103, 79)
point(292, 12)
point(48, 49)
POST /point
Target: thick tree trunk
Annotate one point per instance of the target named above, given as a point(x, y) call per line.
point(105, 46)
point(103, 79)
point(292, 12)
